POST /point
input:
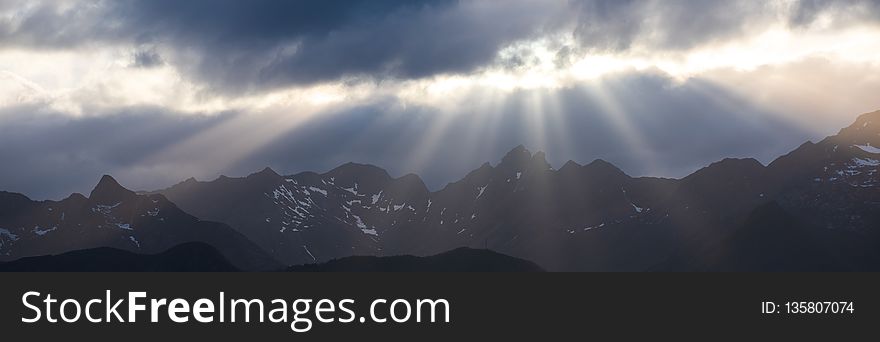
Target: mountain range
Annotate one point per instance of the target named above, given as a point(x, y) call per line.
point(816, 208)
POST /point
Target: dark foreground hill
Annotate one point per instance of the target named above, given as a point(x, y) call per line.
point(188, 257)
point(458, 260)
point(200, 257)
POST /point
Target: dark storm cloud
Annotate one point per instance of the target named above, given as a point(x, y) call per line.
point(240, 46)
point(148, 58)
point(681, 127)
point(845, 11)
point(682, 24)
point(237, 46)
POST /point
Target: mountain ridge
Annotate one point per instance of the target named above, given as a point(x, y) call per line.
point(114, 216)
point(358, 209)
point(591, 217)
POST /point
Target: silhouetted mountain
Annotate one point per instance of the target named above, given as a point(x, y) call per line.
point(458, 260)
point(820, 202)
point(113, 216)
point(833, 183)
point(188, 257)
point(580, 217)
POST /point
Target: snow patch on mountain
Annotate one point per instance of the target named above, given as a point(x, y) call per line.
point(321, 191)
point(105, 209)
point(310, 253)
point(8, 234)
point(865, 162)
point(868, 148)
point(353, 190)
point(40, 231)
point(482, 190)
point(637, 208)
point(594, 227)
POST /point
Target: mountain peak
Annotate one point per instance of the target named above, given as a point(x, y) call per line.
point(108, 190)
point(604, 167)
point(864, 131)
point(107, 182)
point(265, 172)
point(516, 159)
point(569, 166)
point(539, 161)
point(869, 118)
point(601, 163)
point(739, 164)
point(351, 172)
point(729, 168)
point(75, 197)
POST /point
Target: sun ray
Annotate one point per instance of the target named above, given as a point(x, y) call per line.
point(611, 110)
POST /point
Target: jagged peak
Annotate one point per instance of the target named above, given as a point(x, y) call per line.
point(519, 149)
point(868, 118)
point(484, 169)
point(602, 165)
point(268, 170)
point(516, 159)
point(739, 166)
point(409, 177)
point(358, 169)
point(865, 130)
point(539, 161)
point(411, 181)
point(570, 165)
point(75, 197)
point(108, 189)
point(265, 172)
point(739, 161)
point(108, 180)
point(187, 183)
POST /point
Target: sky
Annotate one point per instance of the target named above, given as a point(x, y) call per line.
point(156, 91)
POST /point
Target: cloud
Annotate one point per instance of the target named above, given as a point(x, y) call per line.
point(239, 47)
point(148, 58)
point(839, 12)
point(242, 46)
